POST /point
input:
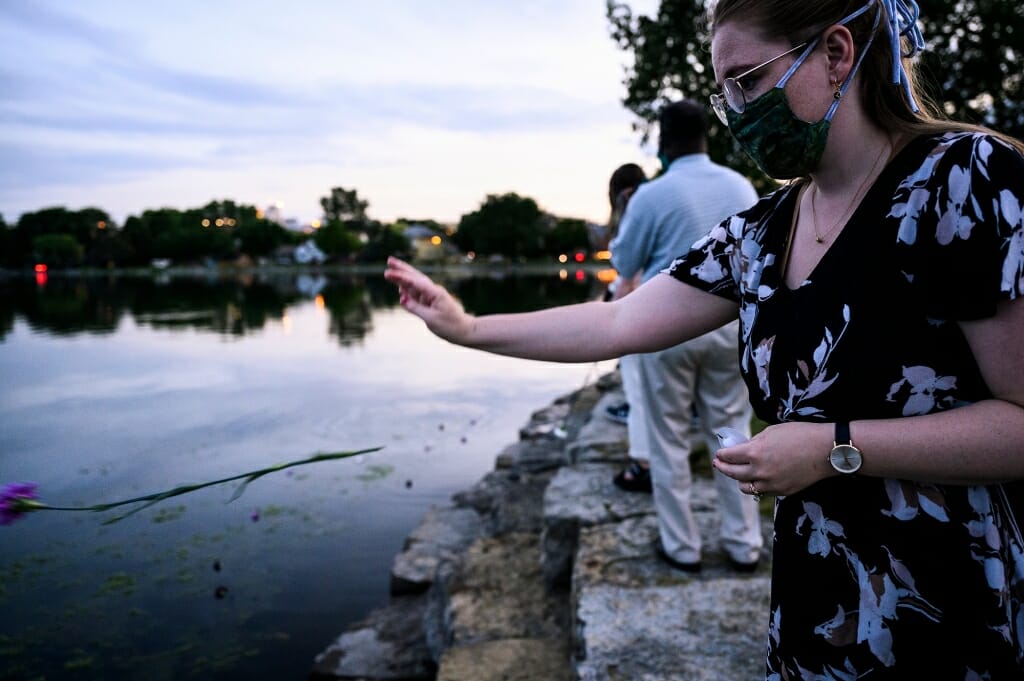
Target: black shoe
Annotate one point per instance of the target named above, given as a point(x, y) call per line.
point(634, 478)
point(691, 568)
point(743, 567)
point(619, 413)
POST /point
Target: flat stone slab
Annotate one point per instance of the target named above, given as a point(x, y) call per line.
point(508, 501)
point(623, 553)
point(443, 533)
point(697, 630)
point(508, 660)
point(585, 493)
point(599, 439)
point(634, 617)
point(539, 454)
point(582, 496)
point(496, 592)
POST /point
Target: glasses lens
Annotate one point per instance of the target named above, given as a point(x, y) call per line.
point(718, 105)
point(734, 95)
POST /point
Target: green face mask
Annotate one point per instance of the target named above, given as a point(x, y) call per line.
point(782, 145)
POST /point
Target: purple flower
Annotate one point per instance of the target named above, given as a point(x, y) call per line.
point(255, 515)
point(16, 499)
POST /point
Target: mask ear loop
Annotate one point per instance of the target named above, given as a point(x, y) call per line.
point(860, 58)
point(798, 63)
point(814, 44)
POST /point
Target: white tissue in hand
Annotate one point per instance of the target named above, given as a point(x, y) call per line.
point(727, 437)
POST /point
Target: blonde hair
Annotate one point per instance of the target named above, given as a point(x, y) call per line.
point(886, 103)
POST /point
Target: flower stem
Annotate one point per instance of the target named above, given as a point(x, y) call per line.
point(150, 499)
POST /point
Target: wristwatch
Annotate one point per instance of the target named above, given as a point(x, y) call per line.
point(844, 457)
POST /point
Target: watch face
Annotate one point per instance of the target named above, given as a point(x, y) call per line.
point(845, 458)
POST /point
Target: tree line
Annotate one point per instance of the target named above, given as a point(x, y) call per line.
point(508, 225)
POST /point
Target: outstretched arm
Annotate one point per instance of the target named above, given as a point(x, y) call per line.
point(661, 313)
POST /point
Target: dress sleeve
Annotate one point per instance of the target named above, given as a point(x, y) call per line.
point(962, 227)
point(711, 264)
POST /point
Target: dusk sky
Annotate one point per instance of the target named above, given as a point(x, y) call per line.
point(423, 108)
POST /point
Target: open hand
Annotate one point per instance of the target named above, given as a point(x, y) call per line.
point(429, 301)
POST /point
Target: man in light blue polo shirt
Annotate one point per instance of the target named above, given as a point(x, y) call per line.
point(665, 217)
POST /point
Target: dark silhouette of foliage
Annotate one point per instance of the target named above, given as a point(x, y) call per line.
point(568, 235)
point(509, 225)
point(84, 228)
point(336, 240)
point(57, 249)
point(382, 241)
point(345, 206)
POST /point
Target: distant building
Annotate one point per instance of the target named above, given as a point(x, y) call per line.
point(427, 244)
point(273, 214)
point(307, 253)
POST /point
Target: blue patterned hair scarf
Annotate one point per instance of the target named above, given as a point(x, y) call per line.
point(902, 16)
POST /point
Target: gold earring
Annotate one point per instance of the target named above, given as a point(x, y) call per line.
point(838, 89)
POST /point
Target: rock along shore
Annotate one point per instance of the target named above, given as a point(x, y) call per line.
point(545, 571)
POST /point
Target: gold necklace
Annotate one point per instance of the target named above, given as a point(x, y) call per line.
point(820, 238)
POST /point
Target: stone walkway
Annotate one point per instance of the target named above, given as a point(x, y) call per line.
point(544, 570)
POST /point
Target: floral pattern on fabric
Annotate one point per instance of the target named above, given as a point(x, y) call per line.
point(876, 578)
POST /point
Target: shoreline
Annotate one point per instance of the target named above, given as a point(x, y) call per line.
point(227, 270)
point(544, 570)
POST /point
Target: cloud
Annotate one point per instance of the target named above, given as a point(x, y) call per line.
point(99, 96)
point(26, 167)
point(36, 17)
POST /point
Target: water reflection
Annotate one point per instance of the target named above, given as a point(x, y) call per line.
point(236, 306)
point(150, 396)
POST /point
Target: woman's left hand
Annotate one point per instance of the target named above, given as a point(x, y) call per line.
point(780, 460)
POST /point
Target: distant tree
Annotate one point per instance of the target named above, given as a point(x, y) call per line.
point(85, 226)
point(173, 237)
point(5, 246)
point(344, 205)
point(568, 234)
point(219, 230)
point(384, 240)
point(336, 240)
point(137, 234)
point(508, 224)
point(258, 237)
point(975, 59)
point(57, 249)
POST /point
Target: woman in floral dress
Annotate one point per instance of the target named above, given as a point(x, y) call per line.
point(879, 295)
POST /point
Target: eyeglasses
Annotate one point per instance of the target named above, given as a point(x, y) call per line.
point(732, 94)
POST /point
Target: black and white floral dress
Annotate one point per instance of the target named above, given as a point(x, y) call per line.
point(882, 578)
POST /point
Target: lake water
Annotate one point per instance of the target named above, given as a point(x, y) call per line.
point(117, 387)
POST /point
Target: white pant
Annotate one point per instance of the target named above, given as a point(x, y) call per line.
point(663, 385)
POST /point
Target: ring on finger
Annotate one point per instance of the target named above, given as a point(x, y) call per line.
point(754, 491)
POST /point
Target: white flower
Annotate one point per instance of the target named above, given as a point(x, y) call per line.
point(953, 222)
point(1013, 265)
point(925, 387)
point(821, 528)
point(878, 600)
point(910, 211)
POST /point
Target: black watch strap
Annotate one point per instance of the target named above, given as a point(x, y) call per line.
point(843, 433)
